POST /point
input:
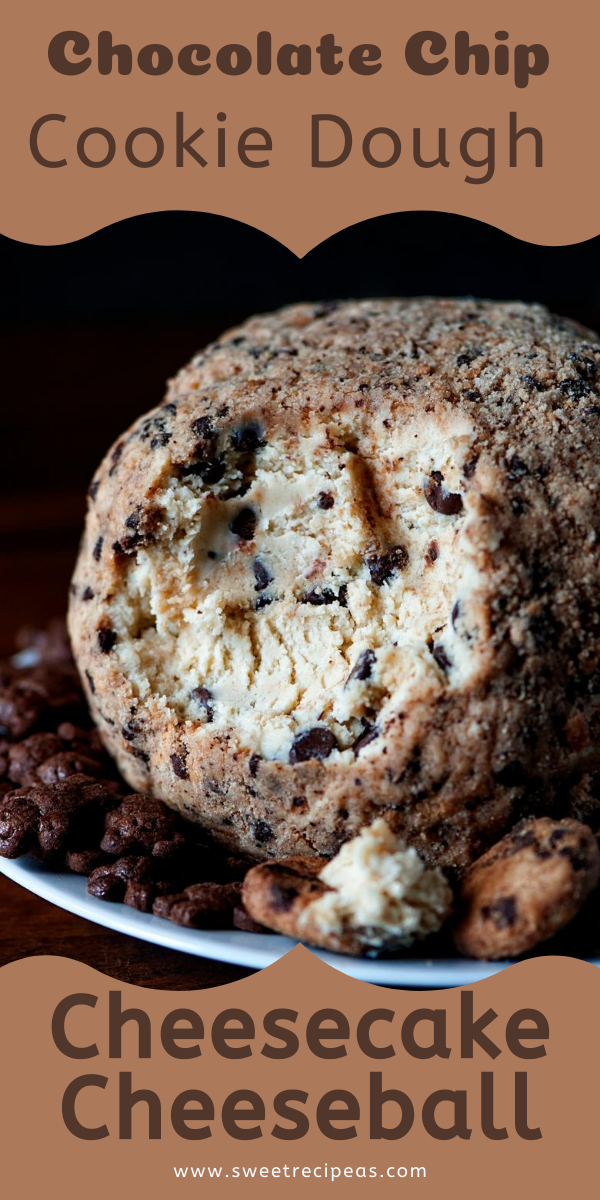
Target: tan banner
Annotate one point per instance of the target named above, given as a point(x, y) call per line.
point(300, 120)
point(299, 1077)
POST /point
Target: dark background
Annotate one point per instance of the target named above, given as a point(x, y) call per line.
point(91, 330)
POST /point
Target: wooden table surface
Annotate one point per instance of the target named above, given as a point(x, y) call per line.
point(30, 926)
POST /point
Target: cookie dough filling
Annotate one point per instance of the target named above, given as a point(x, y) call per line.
point(300, 588)
point(381, 891)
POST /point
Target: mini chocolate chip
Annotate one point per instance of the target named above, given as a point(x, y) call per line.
point(115, 456)
point(470, 468)
point(326, 596)
point(91, 684)
point(579, 862)
point(432, 552)
point(93, 489)
point(253, 764)
point(325, 500)
point(202, 428)
point(312, 743)
point(441, 658)
point(209, 470)
point(343, 596)
point(383, 566)
point(575, 388)
point(454, 613)
point(247, 438)
point(587, 367)
point(179, 767)
point(517, 469)
point(369, 733)
point(262, 602)
point(282, 895)
point(473, 395)
point(87, 594)
point(534, 384)
point(524, 838)
point(262, 576)
point(203, 696)
point(262, 831)
point(97, 551)
point(162, 438)
point(244, 524)
point(502, 912)
point(299, 802)
point(324, 308)
point(130, 730)
point(106, 639)
point(439, 498)
point(468, 356)
point(363, 666)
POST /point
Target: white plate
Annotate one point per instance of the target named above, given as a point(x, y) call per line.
point(233, 946)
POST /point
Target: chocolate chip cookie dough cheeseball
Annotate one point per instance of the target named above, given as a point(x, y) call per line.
point(349, 569)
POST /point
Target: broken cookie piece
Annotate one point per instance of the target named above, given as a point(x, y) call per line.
point(375, 895)
point(526, 888)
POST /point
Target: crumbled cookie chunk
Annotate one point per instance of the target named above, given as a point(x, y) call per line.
point(46, 821)
point(201, 906)
point(526, 888)
point(407, 476)
point(376, 894)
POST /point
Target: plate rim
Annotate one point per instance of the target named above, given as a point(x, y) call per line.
point(236, 947)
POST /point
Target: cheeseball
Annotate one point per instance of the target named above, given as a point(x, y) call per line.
point(348, 569)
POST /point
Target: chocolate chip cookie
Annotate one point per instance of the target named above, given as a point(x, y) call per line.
point(349, 569)
point(526, 888)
